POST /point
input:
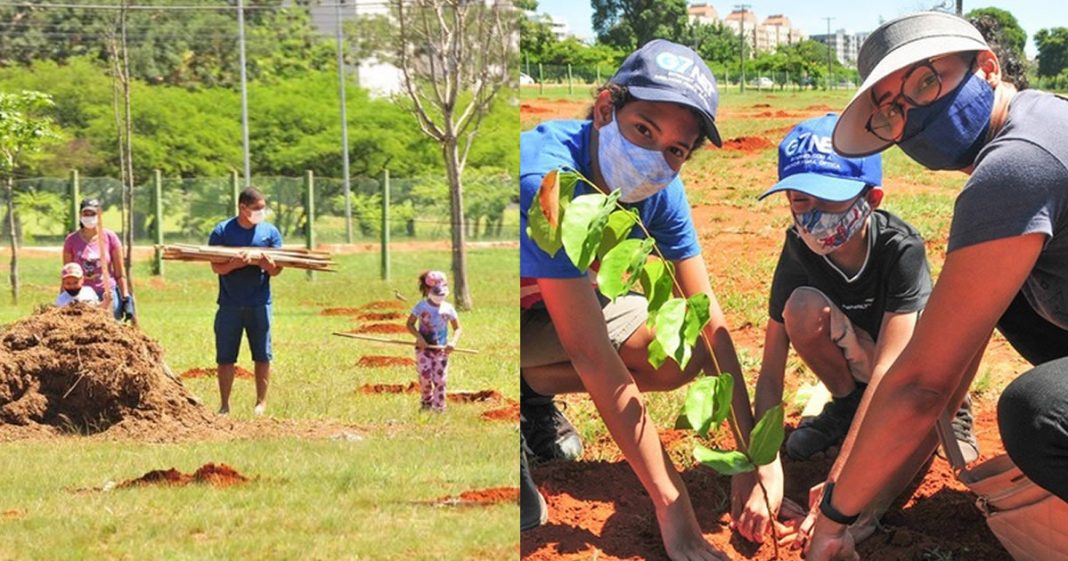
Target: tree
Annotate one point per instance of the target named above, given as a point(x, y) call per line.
point(717, 44)
point(1010, 34)
point(1052, 50)
point(535, 32)
point(455, 56)
point(24, 129)
point(629, 24)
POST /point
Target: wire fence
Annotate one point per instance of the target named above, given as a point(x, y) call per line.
point(46, 207)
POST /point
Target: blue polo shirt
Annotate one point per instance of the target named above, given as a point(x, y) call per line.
point(565, 144)
point(247, 286)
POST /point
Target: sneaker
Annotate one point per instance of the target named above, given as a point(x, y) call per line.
point(547, 432)
point(962, 431)
point(827, 429)
point(260, 409)
point(533, 511)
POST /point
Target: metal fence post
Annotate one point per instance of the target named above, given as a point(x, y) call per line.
point(75, 194)
point(235, 188)
point(385, 223)
point(309, 214)
point(570, 82)
point(157, 203)
point(541, 79)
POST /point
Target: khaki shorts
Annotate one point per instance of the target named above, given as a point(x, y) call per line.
point(857, 345)
point(540, 345)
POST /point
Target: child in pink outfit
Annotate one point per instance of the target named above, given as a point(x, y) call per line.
point(432, 346)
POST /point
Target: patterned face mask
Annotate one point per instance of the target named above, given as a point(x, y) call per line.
point(824, 232)
point(637, 172)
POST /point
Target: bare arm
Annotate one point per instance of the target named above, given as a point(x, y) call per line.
point(419, 341)
point(235, 263)
point(456, 332)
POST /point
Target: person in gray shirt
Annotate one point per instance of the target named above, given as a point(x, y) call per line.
point(936, 88)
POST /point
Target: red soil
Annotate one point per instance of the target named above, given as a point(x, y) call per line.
point(361, 314)
point(527, 108)
point(508, 413)
point(211, 373)
point(471, 397)
point(747, 143)
point(219, 475)
point(388, 388)
point(383, 305)
point(340, 312)
point(761, 105)
point(375, 361)
point(491, 496)
point(380, 328)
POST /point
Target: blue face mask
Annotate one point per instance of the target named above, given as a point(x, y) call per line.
point(639, 173)
point(949, 133)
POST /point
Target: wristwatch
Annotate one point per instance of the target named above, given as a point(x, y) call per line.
point(832, 513)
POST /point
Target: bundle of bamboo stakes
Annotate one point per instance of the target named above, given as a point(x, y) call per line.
point(296, 258)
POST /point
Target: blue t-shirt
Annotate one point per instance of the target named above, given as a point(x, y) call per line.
point(565, 144)
point(434, 321)
point(247, 286)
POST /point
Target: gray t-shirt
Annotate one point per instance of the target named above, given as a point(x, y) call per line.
point(1020, 186)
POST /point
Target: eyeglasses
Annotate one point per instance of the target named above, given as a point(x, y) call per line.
point(921, 86)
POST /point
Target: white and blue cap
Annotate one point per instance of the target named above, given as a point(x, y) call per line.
point(666, 71)
point(809, 164)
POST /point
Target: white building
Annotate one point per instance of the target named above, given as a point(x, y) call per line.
point(775, 30)
point(845, 45)
point(380, 78)
point(703, 13)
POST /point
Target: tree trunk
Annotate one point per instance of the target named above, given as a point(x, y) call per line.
point(456, 212)
point(127, 195)
point(14, 240)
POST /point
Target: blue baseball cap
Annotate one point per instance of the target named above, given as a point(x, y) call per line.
point(666, 71)
point(809, 164)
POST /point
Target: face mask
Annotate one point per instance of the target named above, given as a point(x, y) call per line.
point(257, 216)
point(949, 133)
point(824, 232)
point(435, 299)
point(72, 291)
point(89, 221)
point(637, 172)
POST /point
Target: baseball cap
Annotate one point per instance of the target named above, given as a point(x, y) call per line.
point(71, 270)
point(809, 164)
point(664, 71)
point(894, 45)
point(90, 203)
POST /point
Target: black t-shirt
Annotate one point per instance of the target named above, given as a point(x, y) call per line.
point(894, 278)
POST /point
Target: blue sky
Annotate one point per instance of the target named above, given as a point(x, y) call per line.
point(809, 15)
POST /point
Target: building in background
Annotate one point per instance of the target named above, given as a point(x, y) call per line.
point(845, 45)
point(766, 36)
point(703, 13)
point(379, 78)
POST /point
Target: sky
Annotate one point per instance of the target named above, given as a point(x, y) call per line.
point(809, 15)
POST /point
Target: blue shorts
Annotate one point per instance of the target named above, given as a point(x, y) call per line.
point(231, 321)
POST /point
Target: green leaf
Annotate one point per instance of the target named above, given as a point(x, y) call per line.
point(583, 226)
point(621, 267)
point(697, 315)
point(548, 209)
point(726, 462)
point(700, 404)
point(682, 423)
point(668, 327)
point(620, 223)
point(657, 355)
point(657, 285)
point(767, 435)
point(724, 391)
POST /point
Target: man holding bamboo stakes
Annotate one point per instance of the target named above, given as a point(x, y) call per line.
point(245, 295)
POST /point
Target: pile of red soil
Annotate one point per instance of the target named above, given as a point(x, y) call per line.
point(747, 143)
point(376, 361)
point(780, 114)
point(527, 108)
point(491, 496)
point(601, 506)
point(388, 388)
point(75, 369)
point(472, 397)
point(381, 328)
point(213, 372)
point(761, 105)
point(413, 387)
point(821, 107)
point(360, 313)
point(218, 475)
point(340, 312)
point(509, 413)
point(384, 305)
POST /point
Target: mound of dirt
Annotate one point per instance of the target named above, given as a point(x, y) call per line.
point(493, 495)
point(761, 105)
point(509, 413)
point(75, 369)
point(384, 305)
point(381, 328)
point(747, 143)
point(376, 361)
point(340, 312)
point(528, 108)
point(239, 373)
point(388, 388)
point(472, 396)
point(218, 475)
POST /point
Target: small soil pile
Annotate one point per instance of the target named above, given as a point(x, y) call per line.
point(218, 475)
point(388, 388)
point(376, 361)
point(528, 108)
point(491, 496)
point(472, 397)
point(75, 369)
point(340, 312)
point(384, 305)
point(380, 316)
point(761, 105)
point(747, 143)
point(213, 372)
point(509, 413)
point(381, 328)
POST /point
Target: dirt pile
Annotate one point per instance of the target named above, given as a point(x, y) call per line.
point(381, 328)
point(376, 361)
point(491, 496)
point(74, 369)
point(239, 373)
point(218, 475)
point(747, 143)
point(509, 412)
point(384, 305)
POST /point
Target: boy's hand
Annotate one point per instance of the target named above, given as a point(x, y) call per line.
point(750, 515)
point(420, 343)
point(682, 535)
point(449, 348)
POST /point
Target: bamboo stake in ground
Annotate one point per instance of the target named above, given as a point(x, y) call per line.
point(398, 342)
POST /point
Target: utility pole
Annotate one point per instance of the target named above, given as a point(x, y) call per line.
point(743, 8)
point(832, 45)
point(344, 121)
point(244, 88)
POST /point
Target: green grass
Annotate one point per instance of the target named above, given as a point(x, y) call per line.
point(311, 499)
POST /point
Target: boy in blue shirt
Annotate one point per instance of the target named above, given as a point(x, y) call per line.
point(245, 295)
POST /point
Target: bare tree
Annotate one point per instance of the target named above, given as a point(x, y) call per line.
point(119, 56)
point(455, 56)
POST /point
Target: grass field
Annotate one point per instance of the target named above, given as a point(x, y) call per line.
point(309, 499)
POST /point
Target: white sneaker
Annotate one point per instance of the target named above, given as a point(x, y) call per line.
point(260, 409)
point(224, 411)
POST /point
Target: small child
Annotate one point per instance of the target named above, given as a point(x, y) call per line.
point(432, 345)
point(73, 289)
